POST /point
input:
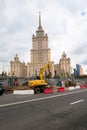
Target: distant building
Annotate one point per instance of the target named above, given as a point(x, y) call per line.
point(39, 55)
point(75, 72)
point(65, 66)
point(18, 68)
point(63, 69)
point(79, 70)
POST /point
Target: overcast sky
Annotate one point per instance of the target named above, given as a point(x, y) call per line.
point(65, 22)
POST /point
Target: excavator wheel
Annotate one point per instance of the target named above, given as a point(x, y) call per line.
point(37, 90)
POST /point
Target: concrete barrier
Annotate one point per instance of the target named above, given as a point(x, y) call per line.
point(77, 87)
point(71, 88)
point(23, 92)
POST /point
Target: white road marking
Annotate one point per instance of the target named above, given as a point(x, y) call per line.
point(39, 99)
point(76, 102)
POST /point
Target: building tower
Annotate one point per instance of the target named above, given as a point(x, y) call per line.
point(79, 70)
point(40, 53)
point(65, 66)
point(18, 68)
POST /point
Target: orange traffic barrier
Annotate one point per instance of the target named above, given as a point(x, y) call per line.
point(48, 90)
point(61, 89)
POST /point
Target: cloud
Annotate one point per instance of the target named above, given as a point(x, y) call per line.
point(62, 20)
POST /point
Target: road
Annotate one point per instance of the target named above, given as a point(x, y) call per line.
point(58, 111)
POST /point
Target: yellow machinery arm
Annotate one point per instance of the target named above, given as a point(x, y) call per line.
point(46, 66)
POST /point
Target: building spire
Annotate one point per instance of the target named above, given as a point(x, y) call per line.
point(39, 20)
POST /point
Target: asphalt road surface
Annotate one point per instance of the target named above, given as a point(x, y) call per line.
point(64, 111)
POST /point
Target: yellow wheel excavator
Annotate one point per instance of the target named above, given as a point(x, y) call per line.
point(39, 84)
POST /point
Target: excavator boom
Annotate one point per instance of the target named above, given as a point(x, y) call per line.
point(45, 67)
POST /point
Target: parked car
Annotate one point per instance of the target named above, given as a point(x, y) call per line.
point(1, 89)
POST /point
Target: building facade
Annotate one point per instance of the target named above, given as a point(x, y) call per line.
point(40, 55)
point(63, 69)
point(79, 70)
point(18, 68)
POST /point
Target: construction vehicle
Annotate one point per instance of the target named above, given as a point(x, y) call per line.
point(39, 84)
